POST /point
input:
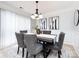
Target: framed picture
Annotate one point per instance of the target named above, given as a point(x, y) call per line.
point(76, 17)
point(43, 23)
point(54, 23)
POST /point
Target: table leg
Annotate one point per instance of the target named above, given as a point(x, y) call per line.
point(44, 49)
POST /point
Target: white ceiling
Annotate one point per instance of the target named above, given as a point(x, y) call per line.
point(44, 6)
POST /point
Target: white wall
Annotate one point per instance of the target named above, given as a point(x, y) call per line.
point(66, 24)
point(11, 23)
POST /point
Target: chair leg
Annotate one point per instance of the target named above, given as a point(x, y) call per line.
point(34, 56)
point(59, 53)
point(18, 50)
point(27, 54)
point(44, 49)
point(22, 52)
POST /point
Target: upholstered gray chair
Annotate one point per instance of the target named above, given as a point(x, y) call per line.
point(32, 46)
point(46, 32)
point(58, 45)
point(20, 41)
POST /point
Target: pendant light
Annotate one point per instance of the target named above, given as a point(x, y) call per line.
point(36, 15)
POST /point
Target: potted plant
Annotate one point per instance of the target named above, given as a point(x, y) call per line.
point(37, 30)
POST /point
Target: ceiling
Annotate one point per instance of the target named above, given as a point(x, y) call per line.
point(44, 6)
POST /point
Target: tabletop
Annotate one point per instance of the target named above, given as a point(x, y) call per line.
point(44, 37)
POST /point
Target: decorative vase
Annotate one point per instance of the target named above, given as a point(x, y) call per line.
point(38, 31)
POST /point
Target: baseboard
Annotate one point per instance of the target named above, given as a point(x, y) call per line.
point(69, 43)
point(8, 46)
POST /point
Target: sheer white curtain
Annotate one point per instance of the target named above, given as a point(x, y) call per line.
point(11, 23)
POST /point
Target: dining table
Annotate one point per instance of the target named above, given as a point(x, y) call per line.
point(44, 37)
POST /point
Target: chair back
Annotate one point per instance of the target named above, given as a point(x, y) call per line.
point(61, 39)
point(20, 40)
point(23, 31)
point(46, 32)
point(30, 41)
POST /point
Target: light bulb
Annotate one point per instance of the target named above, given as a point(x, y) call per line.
point(40, 16)
point(33, 17)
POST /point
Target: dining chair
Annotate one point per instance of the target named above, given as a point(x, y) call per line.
point(20, 42)
point(46, 32)
point(33, 48)
point(58, 45)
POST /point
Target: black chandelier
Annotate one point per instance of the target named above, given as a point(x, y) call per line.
point(37, 15)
